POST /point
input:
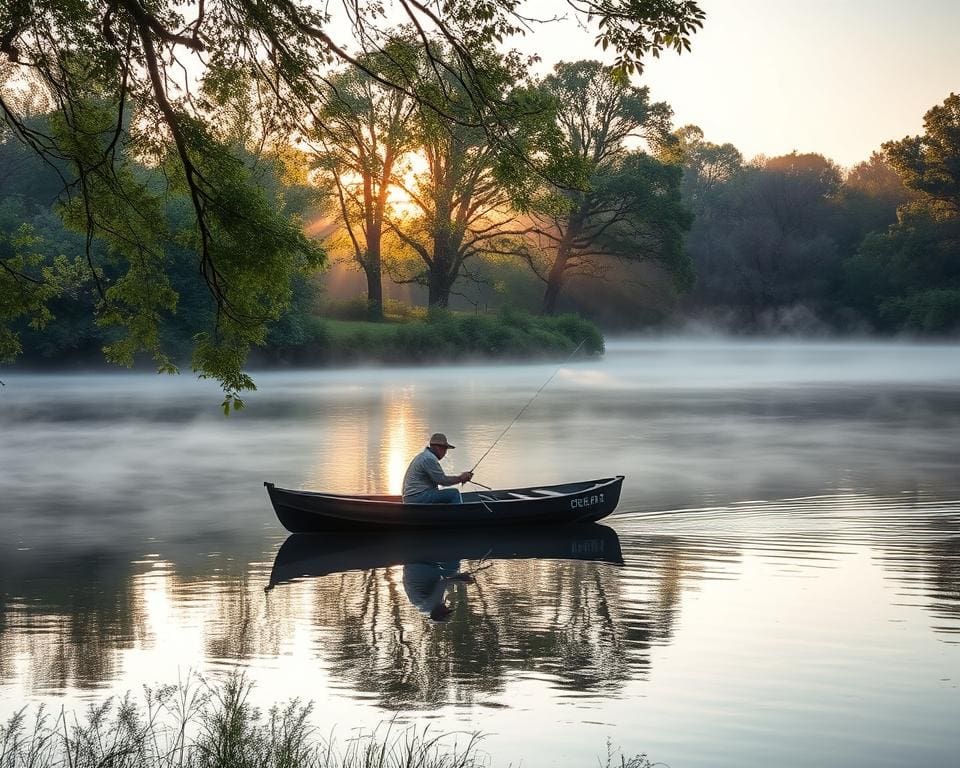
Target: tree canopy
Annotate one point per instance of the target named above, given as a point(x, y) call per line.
point(470, 196)
point(908, 277)
point(930, 164)
point(627, 205)
point(130, 81)
point(363, 136)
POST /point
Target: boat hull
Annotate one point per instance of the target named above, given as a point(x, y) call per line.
point(304, 555)
point(310, 512)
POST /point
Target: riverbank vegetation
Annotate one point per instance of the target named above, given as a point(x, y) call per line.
point(200, 725)
point(188, 219)
point(439, 336)
point(796, 244)
point(202, 153)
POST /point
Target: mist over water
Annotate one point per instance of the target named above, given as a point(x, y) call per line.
point(789, 529)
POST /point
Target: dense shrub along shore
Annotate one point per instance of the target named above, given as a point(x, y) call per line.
point(438, 337)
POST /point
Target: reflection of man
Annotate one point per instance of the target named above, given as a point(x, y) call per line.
point(425, 475)
point(426, 587)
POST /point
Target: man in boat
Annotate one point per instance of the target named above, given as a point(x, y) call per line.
point(421, 483)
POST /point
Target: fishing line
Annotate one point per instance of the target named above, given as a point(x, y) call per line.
point(515, 418)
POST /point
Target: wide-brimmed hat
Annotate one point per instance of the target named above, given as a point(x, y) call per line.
point(438, 438)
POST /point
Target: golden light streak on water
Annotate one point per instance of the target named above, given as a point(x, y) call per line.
point(405, 437)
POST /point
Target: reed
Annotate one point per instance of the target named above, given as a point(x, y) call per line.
point(204, 725)
point(201, 725)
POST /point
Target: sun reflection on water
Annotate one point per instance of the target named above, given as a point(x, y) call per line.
point(367, 450)
point(403, 438)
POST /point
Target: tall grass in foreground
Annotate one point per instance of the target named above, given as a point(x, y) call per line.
point(196, 725)
point(204, 726)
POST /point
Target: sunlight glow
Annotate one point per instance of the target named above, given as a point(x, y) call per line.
point(400, 200)
point(404, 434)
point(169, 634)
point(380, 441)
point(410, 174)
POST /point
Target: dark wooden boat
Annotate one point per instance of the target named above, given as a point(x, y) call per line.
point(303, 555)
point(313, 512)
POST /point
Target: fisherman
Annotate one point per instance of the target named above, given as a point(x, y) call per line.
point(425, 475)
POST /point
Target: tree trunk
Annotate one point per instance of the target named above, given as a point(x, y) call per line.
point(374, 293)
point(558, 270)
point(554, 283)
point(373, 270)
point(555, 278)
point(437, 296)
point(439, 277)
point(438, 287)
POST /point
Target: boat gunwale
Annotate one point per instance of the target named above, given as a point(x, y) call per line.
point(597, 484)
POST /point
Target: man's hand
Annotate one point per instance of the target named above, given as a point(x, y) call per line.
point(465, 477)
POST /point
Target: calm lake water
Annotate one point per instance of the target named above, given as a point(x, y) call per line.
point(779, 586)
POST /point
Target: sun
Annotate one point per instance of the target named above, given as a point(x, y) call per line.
point(401, 200)
point(411, 174)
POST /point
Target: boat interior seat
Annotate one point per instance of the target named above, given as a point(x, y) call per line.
point(545, 492)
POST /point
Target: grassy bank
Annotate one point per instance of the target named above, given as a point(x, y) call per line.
point(342, 336)
point(439, 337)
point(196, 725)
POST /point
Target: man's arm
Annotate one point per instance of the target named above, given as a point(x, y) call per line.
point(436, 473)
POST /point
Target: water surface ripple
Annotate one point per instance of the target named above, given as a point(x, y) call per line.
point(780, 585)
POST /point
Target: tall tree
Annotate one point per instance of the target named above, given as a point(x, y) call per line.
point(467, 200)
point(909, 276)
point(126, 53)
point(930, 164)
point(706, 166)
point(628, 206)
point(764, 246)
point(363, 133)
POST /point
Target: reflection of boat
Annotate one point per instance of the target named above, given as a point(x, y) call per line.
point(309, 511)
point(303, 555)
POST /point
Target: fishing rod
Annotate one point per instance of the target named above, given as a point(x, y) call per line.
point(515, 418)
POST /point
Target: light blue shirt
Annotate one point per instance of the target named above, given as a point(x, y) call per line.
point(425, 474)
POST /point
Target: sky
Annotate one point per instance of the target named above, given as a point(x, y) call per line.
point(838, 77)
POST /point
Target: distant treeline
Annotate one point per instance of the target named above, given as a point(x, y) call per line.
point(794, 244)
point(174, 179)
point(676, 232)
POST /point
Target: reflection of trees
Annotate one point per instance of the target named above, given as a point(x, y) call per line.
point(925, 559)
point(66, 617)
point(68, 621)
point(944, 585)
point(561, 618)
point(676, 564)
point(582, 625)
point(569, 621)
point(373, 637)
point(238, 623)
point(575, 636)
